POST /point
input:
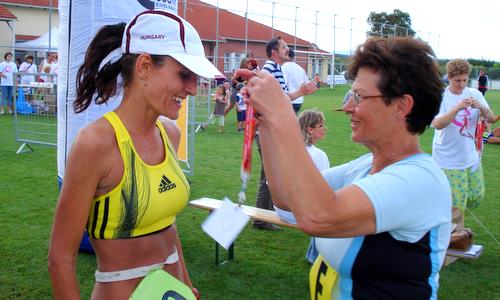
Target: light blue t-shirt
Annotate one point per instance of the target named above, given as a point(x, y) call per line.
point(412, 203)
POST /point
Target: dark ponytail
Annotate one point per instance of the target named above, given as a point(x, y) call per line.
point(104, 82)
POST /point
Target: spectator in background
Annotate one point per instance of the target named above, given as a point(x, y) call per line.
point(28, 67)
point(492, 137)
point(18, 62)
point(295, 76)
point(227, 87)
point(317, 80)
point(313, 128)
point(482, 82)
point(46, 65)
point(253, 64)
point(241, 106)
point(220, 101)
point(277, 52)
point(54, 71)
point(7, 70)
point(235, 79)
point(453, 147)
point(445, 79)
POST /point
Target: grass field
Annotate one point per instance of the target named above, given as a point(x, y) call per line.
point(267, 265)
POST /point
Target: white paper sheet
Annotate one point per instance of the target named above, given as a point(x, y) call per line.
point(225, 223)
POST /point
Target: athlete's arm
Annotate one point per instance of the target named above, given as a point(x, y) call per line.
point(85, 168)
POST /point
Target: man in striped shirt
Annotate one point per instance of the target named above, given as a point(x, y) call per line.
point(278, 53)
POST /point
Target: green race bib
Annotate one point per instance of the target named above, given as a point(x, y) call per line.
point(159, 285)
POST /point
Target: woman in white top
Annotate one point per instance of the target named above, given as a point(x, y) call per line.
point(454, 147)
point(7, 70)
point(29, 69)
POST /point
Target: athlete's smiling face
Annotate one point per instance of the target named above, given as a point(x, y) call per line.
point(167, 85)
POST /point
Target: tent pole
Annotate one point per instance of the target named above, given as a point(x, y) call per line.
point(50, 26)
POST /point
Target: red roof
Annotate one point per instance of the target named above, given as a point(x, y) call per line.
point(5, 14)
point(231, 26)
point(25, 37)
point(37, 3)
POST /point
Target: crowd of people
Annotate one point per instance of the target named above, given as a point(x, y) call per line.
point(382, 221)
point(28, 74)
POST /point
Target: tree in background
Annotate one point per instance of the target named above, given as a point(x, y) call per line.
point(398, 23)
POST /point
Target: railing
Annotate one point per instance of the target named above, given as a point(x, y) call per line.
point(35, 110)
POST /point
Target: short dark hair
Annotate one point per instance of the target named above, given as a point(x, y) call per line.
point(273, 44)
point(30, 57)
point(406, 66)
point(7, 54)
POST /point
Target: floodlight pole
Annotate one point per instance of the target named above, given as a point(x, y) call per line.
point(350, 39)
point(295, 34)
point(333, 58)
point(316, 30)
point(437, 48)
point(246, 29)
point(382, 29)
point(272, 20)
point(50, 25)
point(216, 54)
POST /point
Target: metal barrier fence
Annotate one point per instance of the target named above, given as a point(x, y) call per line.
point(35, 110)
point(203, 104)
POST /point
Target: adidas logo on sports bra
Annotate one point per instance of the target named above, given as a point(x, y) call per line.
point(165, 184)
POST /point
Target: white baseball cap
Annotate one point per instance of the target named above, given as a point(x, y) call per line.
point(162, 33)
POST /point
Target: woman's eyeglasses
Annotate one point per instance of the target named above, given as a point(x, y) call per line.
point(357, 98)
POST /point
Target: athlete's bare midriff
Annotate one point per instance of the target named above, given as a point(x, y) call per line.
point(122, 254)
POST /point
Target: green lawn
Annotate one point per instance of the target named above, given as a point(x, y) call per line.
point(267, 265)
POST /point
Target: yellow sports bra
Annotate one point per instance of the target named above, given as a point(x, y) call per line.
point(147, 198)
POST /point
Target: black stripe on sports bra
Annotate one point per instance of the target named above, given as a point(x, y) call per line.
point(104, 218)
point(92, 232)
point(94, 221)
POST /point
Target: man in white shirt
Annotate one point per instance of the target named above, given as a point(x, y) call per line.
point(295, 76)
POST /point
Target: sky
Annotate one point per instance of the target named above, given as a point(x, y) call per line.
point(454, 29)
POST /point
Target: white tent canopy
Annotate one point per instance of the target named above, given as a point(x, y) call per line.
point(48, 42)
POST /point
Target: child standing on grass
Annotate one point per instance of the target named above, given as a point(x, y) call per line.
point(220, 100)
point(242, 108)
point(312, 126)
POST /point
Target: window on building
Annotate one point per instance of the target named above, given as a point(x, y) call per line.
point(316, 65)
point(232, 61)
